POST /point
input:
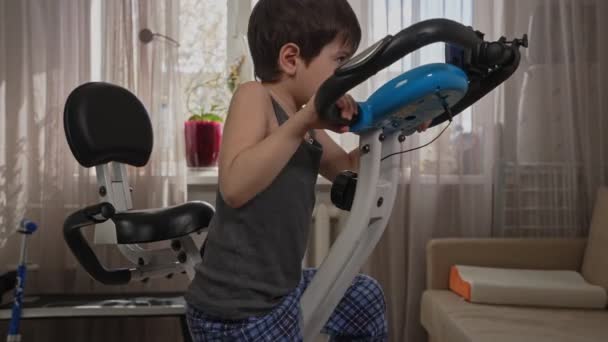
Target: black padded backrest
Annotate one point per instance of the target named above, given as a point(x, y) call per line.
point(104, 123)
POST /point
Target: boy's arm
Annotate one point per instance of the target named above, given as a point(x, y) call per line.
point(249, 160)
point(335, 159)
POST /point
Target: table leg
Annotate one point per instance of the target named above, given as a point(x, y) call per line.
point(185, 331)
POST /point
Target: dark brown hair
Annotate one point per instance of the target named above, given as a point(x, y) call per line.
point(310, 24)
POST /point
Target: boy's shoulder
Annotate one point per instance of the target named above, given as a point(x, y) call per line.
point(251, 97)
point(252, 89)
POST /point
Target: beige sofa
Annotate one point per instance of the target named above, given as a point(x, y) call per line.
point(447, 317)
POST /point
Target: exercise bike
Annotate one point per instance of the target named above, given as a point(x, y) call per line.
point(436, 92)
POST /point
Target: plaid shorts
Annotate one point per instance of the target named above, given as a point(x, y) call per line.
point(360, 316)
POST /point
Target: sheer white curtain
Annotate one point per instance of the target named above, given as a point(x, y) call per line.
point(553, 117)
point(446, 187)
point(151, 72)
point(44, 54)
point(526, 160)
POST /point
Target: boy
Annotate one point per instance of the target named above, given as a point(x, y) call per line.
point(249, 283)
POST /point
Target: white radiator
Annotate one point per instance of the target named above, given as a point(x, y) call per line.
point(538, 199)
point(325, 228)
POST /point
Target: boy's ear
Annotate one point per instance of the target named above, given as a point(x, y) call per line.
point(289, 57)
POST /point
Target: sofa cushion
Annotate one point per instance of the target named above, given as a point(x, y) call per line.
point(595, 261)
point(541, 288)
point(447, 317)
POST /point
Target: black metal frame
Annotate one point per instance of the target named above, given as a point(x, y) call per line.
point(72, 231)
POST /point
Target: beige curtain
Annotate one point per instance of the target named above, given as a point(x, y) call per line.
point(524, 161)
point(552, 121)
point(150, 71)
point(44, 55)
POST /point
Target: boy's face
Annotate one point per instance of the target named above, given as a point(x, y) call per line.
point(322, 67)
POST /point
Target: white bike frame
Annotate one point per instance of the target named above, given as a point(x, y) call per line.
point(371, 209)
point(152, 263)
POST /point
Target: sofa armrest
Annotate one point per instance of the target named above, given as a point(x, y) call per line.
point(549, 254)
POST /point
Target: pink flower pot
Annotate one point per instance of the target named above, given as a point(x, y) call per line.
point(202, 142)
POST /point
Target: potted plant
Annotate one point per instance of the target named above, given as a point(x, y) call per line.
point(203, 129)
point(203, 137)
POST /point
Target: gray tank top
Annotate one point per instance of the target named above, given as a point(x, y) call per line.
point(252, 256)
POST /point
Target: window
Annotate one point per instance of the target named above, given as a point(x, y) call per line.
point(96, 47)
point(203, 55)
point(203, 47)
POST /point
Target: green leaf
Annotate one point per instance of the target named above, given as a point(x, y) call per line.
point(194, 117)
point(211, 117)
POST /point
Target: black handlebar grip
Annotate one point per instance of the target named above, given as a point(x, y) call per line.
point(334, 115)
point(325, 101)
point(83, 252)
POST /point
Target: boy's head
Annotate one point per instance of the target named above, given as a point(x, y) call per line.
point(287, 37)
